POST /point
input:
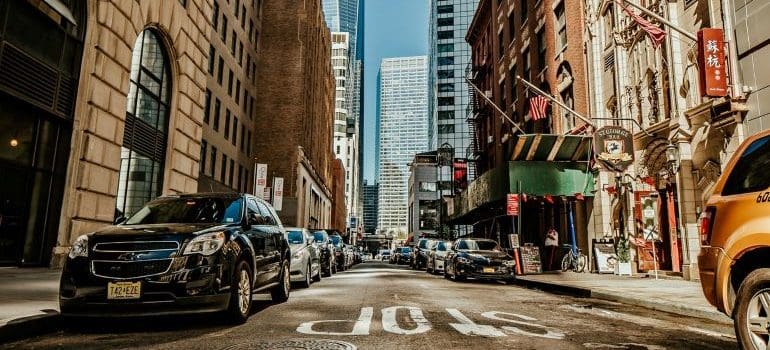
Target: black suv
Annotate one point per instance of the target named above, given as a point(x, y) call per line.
point(420, 253)
point(326, 249)
point(339, 252)
point(180, 254)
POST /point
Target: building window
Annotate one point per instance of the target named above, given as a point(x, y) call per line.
point(215, 17)
point(446, 61)
point(445, 9)
point(445, 34)
point(217, 107)
point(212, 59)
point(233, 39)
point(446, 87)
point(227, 124)
point(446, 115)
point(523, 10)
point(232, 172)
point(446, 129)
point(223, 169)
point(243, 138)
point(500, 45)
point(202, 162)
point(449, 21)
point(230, 84)
point(503, 102)
point(541, 46)
point(143, 152)
point(224, 29)
point(235, 130)
point(207, 106)
point(237, 92)
point(220, 70)
point(213, 163)
point(561, 26)
point(240, 178)
point(248, 143)
point(511, 27)
point(446, 74)
point(446, 48)
point(243, 17)
point(514, 95)
point(527, 65)
point(240, 53)
point(446, 101)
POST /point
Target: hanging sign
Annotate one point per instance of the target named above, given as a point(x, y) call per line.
point(614, 147)
point(512, 204)
point(711, 61)
point(277, 193)
point(260, 179)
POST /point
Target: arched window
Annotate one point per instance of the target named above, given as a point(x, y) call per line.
point(144, 139)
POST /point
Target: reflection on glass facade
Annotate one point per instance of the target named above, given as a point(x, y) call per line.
point(144, 141)
point(449, 56)
point(403, 124)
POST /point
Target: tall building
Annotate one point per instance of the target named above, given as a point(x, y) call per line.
point(403, 120)
point(342, 16)
point(295, 110)
point(424, 199)
point(229, 125)
point(449, 56)
point(370, 207)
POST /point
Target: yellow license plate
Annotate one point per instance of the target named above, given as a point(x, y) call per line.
point(489, 270)
point(124, 290)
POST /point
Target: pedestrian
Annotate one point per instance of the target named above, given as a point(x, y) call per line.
point(552, 241)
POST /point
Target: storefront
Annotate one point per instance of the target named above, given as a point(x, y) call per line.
point(551, 175)
point(41, 48)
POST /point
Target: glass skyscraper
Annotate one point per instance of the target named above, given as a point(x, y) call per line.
point(403, 132)
point(342, 16)
point(449, 56)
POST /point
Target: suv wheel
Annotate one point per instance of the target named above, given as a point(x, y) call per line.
point(280, 293)
point(240, 294)
point(752, 311)
point(317, 277)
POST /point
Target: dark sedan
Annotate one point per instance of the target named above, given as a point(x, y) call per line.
point(180, 254)
point(404, 255)
point(479, 259)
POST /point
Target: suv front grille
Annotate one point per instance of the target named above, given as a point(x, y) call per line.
point(129, 269)
point(140, 246)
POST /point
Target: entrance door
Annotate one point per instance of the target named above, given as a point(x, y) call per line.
point(647, 215)
point(14, 201)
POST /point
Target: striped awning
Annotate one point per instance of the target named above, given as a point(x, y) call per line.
point(552, 148)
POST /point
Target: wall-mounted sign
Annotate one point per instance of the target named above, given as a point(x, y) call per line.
point(460, 175)
point(512, 204)
point(614, 147)
point(278, 193)
point(711, 62)
point(260, 179)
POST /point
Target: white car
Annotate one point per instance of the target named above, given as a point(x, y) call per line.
point(437, 256)
point(305, 258)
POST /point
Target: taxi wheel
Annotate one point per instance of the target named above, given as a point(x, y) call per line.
point(240, 294)
point(751, 314)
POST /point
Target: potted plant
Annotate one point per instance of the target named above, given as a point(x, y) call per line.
point(623, 252)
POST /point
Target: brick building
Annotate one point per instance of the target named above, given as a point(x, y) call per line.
point(229, 124)
point(294, 115)
point(339, 210)
point(546, 160)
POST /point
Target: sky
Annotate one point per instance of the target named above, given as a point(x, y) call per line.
point(393, 28)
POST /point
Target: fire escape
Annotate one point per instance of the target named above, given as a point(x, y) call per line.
point(476, 110)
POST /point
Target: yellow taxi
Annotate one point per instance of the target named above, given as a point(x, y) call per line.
point(734, 260)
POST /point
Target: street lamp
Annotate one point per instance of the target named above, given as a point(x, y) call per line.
point(672, 157)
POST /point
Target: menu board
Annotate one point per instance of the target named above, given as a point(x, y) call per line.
point(530, 260)
point(604, 256)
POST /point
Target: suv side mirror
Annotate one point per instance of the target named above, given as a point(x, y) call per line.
point(119, 220)
point(256, 219)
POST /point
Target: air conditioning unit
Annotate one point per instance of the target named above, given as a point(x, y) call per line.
point(488, 93)
point(490, 139)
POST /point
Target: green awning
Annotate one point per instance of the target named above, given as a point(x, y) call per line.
point(552, 148)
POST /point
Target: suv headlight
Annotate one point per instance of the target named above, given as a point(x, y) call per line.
point(509, 263)
point(205, 244)
point(463, 260)
point(297, 255)
point(79, 248)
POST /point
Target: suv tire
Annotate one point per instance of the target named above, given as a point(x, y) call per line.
point(239, 308)
point(753, 298)
point(317, 277)
point(280, 293)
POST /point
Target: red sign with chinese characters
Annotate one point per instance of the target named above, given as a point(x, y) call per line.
point(513, 204)
point(711, 60)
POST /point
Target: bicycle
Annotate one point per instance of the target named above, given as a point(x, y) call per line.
point(574, 260)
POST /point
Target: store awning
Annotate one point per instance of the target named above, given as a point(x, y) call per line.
point(552, 148)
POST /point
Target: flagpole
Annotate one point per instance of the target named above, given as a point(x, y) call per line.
point(478, 91)
point(654, 15)
point(549, 97)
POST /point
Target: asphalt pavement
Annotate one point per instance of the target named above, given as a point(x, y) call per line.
point(381, 306)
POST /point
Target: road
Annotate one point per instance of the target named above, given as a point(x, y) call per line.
point(381, 306)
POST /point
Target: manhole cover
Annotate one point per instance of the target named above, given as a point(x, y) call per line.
point(295, 344)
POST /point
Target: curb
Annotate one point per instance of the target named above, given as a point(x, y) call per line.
point(28, 326)
point(581, 292)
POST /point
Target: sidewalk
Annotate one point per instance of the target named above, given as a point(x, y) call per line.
point(670, 295)
point(29, 300)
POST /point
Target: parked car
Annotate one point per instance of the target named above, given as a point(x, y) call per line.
point(735, 242)
point(347, 251)
point(404, 256)
point(323, 242)
point(394, 255)
point(480, 259)
point(436, 257)
point(384, 255)
point(305, 257)
point(180, 254)
point(420, 253)
point(339, 254)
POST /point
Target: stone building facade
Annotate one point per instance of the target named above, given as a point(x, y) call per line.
point(295, 109)
point(229, 109)
point(138, 111)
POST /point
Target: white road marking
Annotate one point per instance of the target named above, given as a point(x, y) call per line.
point(550, 333)
point(361, 326)
point(468, 327)
point(390, 324)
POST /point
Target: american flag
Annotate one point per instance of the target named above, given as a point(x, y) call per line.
point(657, 35)
point(537, 107)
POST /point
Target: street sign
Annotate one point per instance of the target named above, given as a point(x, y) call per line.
point(260, 179)
point(512, 204)
point(711, 61)
point(614, 147)
point(277, 193)
point(514, 238)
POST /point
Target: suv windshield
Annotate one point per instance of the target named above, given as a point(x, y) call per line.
point(319, 237)
point(295, 237)
point(203, 210)
point(336, 240)
point(406, 250)
point(478, 245)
